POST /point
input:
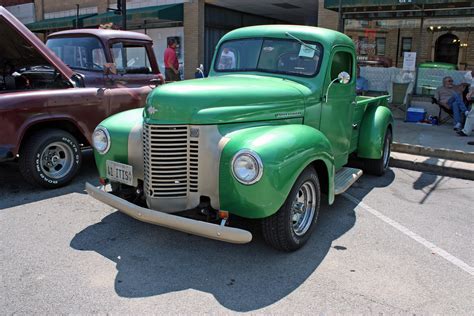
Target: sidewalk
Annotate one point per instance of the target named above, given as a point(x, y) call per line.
point(433, 136)
point(434, 149)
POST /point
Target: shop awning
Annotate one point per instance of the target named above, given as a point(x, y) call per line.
point(396, 9)
point(170, 12)
point(334, 4)
point(57, 23)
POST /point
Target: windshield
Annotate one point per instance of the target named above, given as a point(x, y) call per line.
point(85, 53)
point(282, 56)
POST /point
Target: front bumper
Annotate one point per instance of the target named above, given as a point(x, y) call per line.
point(191, 226)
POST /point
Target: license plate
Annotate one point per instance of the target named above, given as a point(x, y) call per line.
point(119, 172)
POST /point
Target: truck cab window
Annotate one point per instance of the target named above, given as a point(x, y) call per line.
point(131, 58)
point(279, 56)
point(342, 61)
point(80, 53)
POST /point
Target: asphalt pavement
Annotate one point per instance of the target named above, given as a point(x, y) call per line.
point(402, 243)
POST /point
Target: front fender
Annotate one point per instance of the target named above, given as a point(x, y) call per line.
point(125, 131)
point(372, 131)
point(285, 150)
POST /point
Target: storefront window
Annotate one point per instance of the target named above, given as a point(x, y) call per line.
point(362, 45)
point(406, 45)
point(380, 46)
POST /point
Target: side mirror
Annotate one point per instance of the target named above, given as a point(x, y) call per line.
point(200, 72)
point(110, 69)
point(344, 77)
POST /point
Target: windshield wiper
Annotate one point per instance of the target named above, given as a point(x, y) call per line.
point(301, 42)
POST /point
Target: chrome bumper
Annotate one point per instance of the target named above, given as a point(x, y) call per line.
point(191, 226)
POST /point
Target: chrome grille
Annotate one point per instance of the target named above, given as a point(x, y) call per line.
point(171, 161)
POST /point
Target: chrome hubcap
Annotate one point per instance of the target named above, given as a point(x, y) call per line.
point(56, 160)
point(303, 208)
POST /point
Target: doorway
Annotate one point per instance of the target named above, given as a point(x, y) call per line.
point(447, 49)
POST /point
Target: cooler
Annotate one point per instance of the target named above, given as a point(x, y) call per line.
point(415, 114)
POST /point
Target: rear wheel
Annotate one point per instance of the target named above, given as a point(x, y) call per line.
point(290, 228)
point(50, 158)
point(379, 166)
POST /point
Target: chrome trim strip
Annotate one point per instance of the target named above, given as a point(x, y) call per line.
point(135, 152)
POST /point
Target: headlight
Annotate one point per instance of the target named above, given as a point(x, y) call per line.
point(247, 167)
point(101, 140)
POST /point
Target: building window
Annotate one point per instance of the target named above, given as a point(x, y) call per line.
point(362, 45)
point(406, 45)
point(380, 46)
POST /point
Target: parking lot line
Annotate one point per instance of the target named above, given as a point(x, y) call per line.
point(435, 249)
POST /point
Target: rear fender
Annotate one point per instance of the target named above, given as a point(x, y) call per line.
point(285, 151)
point(374, 124)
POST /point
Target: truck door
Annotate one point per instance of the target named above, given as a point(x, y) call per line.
point(133, 63)
point(337, 110)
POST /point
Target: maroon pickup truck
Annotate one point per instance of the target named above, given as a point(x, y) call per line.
point(53, 96)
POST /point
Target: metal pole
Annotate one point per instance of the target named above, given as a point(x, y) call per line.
point(77, 15)
point(340, 27)
point(124, 15)
point(418, 50)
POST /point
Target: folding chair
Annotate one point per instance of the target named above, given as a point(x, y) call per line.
point(442, 109)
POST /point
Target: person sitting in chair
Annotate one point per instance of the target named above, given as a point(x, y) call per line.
point(449, 96)
point(469, 124)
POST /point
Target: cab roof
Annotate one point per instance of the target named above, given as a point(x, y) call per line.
point(103, 34)
point(324, 36)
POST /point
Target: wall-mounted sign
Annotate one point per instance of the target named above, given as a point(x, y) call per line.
point(409, 61)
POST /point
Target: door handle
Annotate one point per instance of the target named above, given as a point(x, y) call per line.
point(354, 126)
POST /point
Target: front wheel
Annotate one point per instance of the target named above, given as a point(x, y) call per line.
point(291, 226)
point(50, 158)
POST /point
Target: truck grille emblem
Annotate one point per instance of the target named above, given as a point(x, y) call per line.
point(194, 132)
point(151, 110)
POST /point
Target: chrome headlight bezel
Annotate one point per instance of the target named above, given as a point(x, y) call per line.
point(257, 162)
point(101, 129)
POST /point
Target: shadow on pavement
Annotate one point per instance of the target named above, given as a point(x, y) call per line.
point(426, 180)
point(14, 190)
point(151, 260)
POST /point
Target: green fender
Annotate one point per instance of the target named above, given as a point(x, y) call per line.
point(285, 151)
point(119, 127)
point(374, 124)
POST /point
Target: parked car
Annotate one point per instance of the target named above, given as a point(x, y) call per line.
point(52, 98)
point(273, 126)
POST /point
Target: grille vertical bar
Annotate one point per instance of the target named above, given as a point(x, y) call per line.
point(170, 160)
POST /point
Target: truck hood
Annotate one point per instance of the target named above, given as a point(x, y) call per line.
point(226, 99)
point(20, 48)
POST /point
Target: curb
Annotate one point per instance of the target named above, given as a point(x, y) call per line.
point(439, 166)
point(447, 154)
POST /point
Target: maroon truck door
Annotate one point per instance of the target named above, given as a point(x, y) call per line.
point(135, 63)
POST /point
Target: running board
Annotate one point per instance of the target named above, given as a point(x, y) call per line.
point(345, 178)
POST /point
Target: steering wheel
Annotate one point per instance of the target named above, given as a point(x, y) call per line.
point(284, 62)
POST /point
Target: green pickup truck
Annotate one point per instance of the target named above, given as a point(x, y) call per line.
point(275, 125)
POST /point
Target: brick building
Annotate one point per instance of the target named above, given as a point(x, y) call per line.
point(381, 32)
point(436, 30)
